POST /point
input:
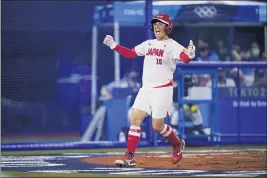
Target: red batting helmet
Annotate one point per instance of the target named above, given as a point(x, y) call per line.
point(164, 18)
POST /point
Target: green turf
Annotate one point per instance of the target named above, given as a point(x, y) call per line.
point(42, 152)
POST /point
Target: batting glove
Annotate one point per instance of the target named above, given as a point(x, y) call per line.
point(191, 49)
point(109, 41)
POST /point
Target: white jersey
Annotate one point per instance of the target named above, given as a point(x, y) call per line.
point(160, 61)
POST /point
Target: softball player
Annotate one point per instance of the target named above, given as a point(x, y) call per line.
point(156, 94)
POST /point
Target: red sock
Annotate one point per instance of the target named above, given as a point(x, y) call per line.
point(169, 134)
point(133, 138)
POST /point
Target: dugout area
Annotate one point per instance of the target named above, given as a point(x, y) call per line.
point(222, 32)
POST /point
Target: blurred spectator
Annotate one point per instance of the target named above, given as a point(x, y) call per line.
point(254, 55)
point(129, 80)
point(222, 51)
point(237, 54)
point(234, 75)
point(223, 80)
point(204, 53)
point(192, 114)
point(255, 52)
point(260, 78)
point(247, 75)
point(191, 111)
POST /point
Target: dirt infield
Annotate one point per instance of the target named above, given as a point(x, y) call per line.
point(242, 161)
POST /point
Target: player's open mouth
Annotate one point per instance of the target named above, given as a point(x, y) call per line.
point(157, 32)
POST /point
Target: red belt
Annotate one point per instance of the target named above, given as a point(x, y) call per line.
point(165, 85)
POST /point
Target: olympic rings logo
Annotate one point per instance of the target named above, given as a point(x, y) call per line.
point(206, 11)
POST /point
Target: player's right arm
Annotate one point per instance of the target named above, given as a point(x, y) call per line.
point(125, 52)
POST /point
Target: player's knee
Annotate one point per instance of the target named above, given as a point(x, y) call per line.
point(135, 122)
point(137, 117)
point(158, 124)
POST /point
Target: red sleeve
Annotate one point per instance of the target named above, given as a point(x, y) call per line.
point(184, 57)
point(125, 52)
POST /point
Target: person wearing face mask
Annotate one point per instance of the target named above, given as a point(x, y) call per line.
point(260, 74)
point(255, 52)
point(223, 80)
point(156, 95)
point(253, 55)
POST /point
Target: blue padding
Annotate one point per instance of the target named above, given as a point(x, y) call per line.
point(205, 112)
point(222, 64)
point(66, 145)
point(117, 112)
point(121, 93)
point(197, 101)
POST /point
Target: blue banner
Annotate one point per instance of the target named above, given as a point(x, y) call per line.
point(126, 13)
point(245, 93)
point(133, 13)
point(243, 115)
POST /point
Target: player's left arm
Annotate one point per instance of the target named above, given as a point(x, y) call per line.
point(185, 54)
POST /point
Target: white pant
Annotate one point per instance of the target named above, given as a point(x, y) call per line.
point(157, 101)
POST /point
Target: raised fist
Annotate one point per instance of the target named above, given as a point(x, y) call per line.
point(109, 41)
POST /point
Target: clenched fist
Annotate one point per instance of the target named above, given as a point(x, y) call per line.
point(191, 50)
point(109, 41)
